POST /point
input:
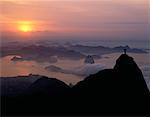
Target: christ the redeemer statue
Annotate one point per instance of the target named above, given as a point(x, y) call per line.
point(125, 51)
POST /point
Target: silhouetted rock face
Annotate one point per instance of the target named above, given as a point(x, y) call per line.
point(48, 87)
point(13, 86)
point(95, 85)
point(130, 77)
point(124, 81)
point(121, 89)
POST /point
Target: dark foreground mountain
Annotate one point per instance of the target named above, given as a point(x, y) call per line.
point(48, 87)
point(118, 91)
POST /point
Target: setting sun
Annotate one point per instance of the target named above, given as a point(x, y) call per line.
point(25, 26)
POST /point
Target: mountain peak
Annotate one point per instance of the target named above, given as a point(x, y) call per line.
point(124, 60)
point(48, 86)
point(89, 60)
point(125, 81)
point(126, 64)
point(128, 72)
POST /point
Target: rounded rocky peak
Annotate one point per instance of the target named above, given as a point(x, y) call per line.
point(124, 60)
point(48, 82)
point(89, 60)
point(130, 76)
point(125, 57)
point(48, 86)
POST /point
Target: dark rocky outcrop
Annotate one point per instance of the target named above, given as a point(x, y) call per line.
point(14, 86)
point(17, 58)
point(121, 89)
point(130, 77)
point(125, 79)
point(89, 60)
point(48, 87)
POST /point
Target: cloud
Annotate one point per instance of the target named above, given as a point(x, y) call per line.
point(88, 69)
point(146, 72)
point(83, 70)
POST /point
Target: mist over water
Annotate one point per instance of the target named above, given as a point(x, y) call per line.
point(73, 71)
point(11, 68)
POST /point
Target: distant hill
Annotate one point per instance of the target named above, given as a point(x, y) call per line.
point(44, 54)
point(100, 50)
point(48, 87)
point(52, 53)
point(13, 86)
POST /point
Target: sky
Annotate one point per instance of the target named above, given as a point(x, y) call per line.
point(82, 19)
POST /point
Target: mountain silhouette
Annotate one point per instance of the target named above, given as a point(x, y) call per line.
point(48, 87)
point(121, 89)
point(118, 91)
point(123, 80)
point(89, 60)
point(129, 73)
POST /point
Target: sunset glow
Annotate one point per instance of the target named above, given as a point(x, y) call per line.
point(25, 26)
point(81, 19)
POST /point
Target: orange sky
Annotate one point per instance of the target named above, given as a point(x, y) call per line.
point(96, 17)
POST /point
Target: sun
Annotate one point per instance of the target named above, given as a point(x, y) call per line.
point(25, 26)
